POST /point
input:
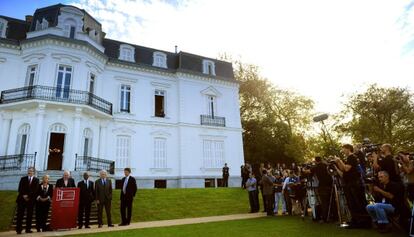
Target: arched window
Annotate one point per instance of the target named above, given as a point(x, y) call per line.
point(22, 143)
point(3, 27)
point(87, 142)
point(126, 53)
point(160, 60)
point(209, 67)
point(69, 28)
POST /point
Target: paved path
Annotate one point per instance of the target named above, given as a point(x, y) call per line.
point(141, 225)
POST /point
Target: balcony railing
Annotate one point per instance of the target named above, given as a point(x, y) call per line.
point(56, 94)
point(17, 162)
point(87, 163)
point(213, 120)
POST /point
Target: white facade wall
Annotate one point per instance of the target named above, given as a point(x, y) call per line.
point(185, 101)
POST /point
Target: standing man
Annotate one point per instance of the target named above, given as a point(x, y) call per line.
point(353, 188)
point(225, 175)
point(66, 181)
point(87, 195)
point(103, 195)
point(387, 163)
point(251, 186)
point(267, 183)
point(129, 189)
point(28, 187)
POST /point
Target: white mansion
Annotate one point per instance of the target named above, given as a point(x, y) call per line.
point(72, 99)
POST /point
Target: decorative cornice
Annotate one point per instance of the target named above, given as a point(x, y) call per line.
point(94, 66)
point(35, 56)
point(211, 91)
point(160, 84)
point(160, 133)
point(3, 60)
point(63, 56)
point(123, 130)
point(126, 79)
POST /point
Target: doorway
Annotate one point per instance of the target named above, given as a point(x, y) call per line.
point(56, 145)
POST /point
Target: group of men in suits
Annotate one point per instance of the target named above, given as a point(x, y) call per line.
point(99, 191)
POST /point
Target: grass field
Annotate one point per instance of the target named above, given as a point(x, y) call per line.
point(160, 204)
point(282, 226)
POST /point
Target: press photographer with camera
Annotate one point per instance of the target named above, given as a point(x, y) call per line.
point(353, 187)
point(389, 197)
point(320, 170)
point(407, 167)
point(386, 163)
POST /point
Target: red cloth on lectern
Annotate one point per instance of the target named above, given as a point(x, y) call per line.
point(65, 205)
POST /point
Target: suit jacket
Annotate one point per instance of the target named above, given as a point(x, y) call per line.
point(131, 188)
point(103, 193)
point(41, 193)
point(61, 184)
point(25, 188)
point(87, 194)
point(267, 184)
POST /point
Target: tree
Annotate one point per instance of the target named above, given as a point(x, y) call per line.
point(385, 115)
point(272, 119)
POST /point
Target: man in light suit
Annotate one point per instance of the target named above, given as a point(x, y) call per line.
point(129, 189)
point(87, 196)
point(103, 195)
point(66, 181)
point(28, 187)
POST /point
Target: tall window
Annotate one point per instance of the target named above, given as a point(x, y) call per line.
point(211, 105)
point(209, 67)
point(31, 75)
point(213, 153)
point(160, 60)
point(160, 153)
point(63, 81)
point(123, 150)
point(3, 26)
point(70, 28)
point(127, 53)
point(125, 98)
point(23, 139)
point(159, 103)
point(87, 142)
point(92, 83)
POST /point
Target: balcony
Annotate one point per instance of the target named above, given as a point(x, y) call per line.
point(17, 162)
point(93, 164)
point(210, 120)
point(56, 94)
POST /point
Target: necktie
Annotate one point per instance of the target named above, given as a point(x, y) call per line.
point(86, 182)
point(30, 180)
point(103, 182)
point(125, 185)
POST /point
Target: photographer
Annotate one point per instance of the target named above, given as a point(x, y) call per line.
point(387, 163)
point(320, 170)
point(407, 167)
point(353, 188)
point(389, 200)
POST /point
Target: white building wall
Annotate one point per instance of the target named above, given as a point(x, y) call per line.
point(185, 101)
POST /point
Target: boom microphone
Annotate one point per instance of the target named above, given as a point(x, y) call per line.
point(320, 118)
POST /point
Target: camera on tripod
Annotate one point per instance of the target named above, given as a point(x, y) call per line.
point(368, 147)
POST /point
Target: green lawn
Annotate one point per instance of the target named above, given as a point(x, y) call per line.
point(282, 226)
point(7, 205)
point(161, 204)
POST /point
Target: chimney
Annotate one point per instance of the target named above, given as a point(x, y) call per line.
point(176, 49)
point(29, 19)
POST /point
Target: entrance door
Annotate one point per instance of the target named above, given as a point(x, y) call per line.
point(57, 141)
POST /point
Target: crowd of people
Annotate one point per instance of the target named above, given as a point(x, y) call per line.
point(37, 195)
point(368, 187)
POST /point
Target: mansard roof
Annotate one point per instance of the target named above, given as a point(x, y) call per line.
point(176, 62)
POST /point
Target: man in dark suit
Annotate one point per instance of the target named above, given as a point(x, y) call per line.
point(129, 189)
point(87, 195)
point(103, 195)
point(66, 181)
point(28, 187)
point(225, 175)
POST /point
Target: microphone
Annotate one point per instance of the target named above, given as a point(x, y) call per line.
point(320, 118)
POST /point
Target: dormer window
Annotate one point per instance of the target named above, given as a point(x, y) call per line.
point(41, 25)
point(160, 60)
point(209, 67)
point(3, 27)
point(70, 28)
point(127, 53)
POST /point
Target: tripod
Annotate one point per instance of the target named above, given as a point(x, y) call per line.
point(337, 192)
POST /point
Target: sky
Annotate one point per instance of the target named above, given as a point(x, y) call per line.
point(323, 49)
